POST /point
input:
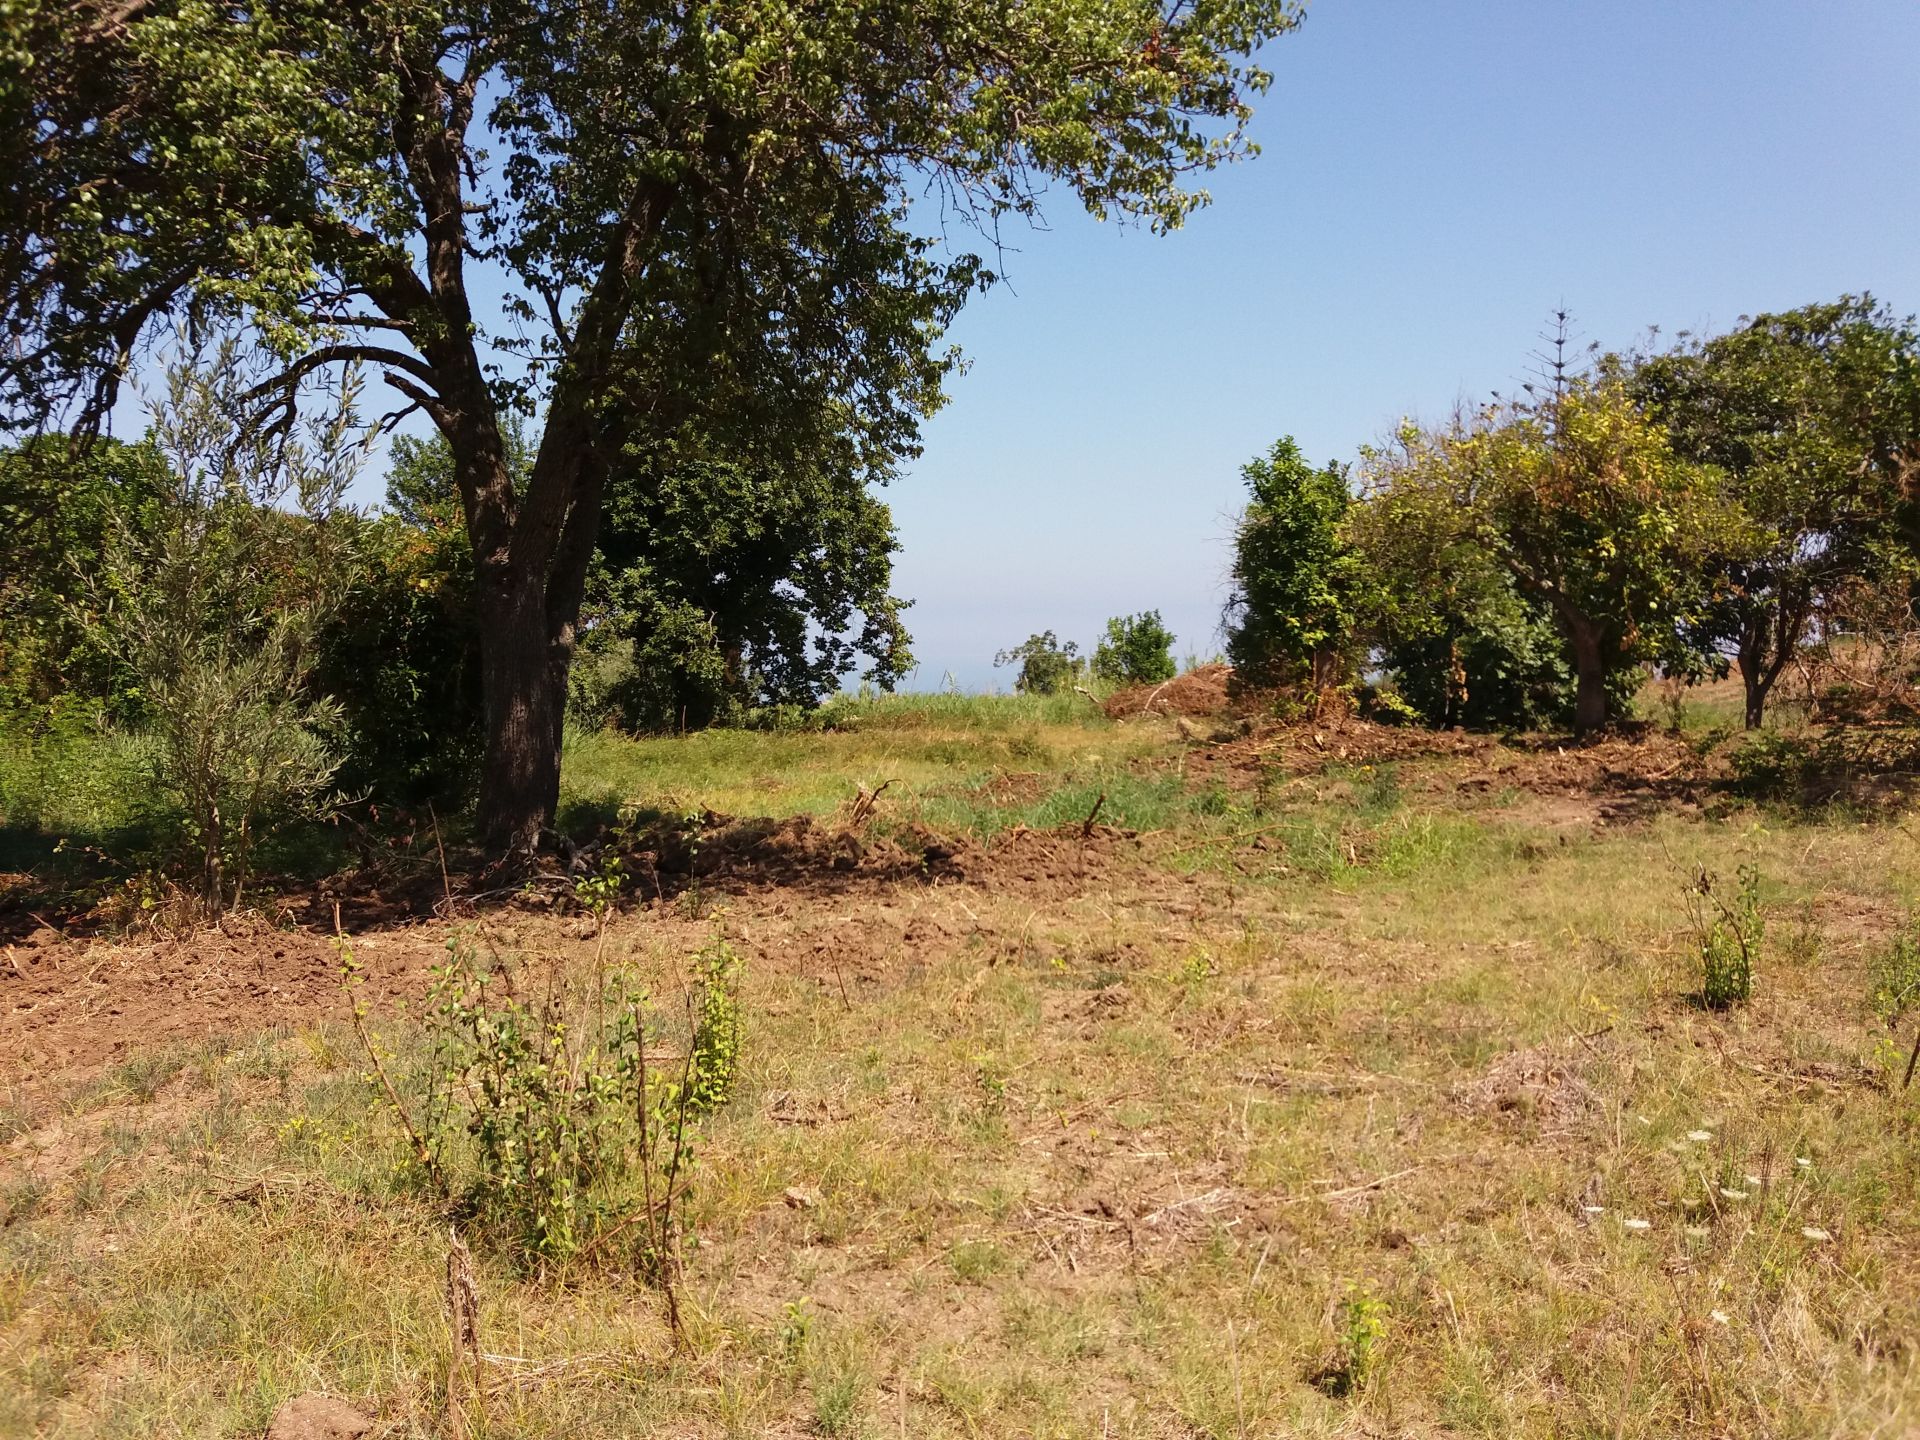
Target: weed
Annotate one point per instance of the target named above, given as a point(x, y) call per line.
point(717, 1027)
point(21, 1199)
point(539, 1112)
point(14, 1121)
point(598, 892)
point(991, 1081)
point(1895, 974)
point(836, 1401)
point(1364, 1322)
point(1728, 932)
point(976, 1261)
point(795, 1327)
point(143, 1076)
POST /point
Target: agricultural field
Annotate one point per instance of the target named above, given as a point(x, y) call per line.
point(1083, 1077)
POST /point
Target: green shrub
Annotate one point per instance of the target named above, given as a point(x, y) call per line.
point(1895, 974)
point(1357, 1358)
point(545, 1111)
point(1728, 931)
point(217, 608)
point(1771, 764)
point(1137, 650)
point(1296, 578)
point(1046, 666)
point(717, 1027)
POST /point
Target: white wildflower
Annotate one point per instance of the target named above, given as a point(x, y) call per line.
point(1700, 1137)
point(1637, 1224)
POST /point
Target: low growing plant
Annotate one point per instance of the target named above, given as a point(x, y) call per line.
point(1896, 975)
point(549, 1114)
point(1728, 929)
point(1364, 1331)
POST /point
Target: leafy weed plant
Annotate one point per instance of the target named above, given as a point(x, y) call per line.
point(1728, 929)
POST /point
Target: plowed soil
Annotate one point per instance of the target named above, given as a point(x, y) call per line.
point(73, 1005)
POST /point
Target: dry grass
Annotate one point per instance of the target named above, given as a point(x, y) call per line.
point(1108, 1156)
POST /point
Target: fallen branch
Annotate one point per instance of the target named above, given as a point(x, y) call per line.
point(1349, 1191)
point(864, 806)
point(1086, 825)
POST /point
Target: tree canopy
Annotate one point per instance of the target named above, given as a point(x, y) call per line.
point(1290, 613)
point(1812, 416)
point(672, 204)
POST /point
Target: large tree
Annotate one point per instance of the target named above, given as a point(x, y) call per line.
point(1813, 417)
point(1582, 502)
point(719, 584)
point(600, 209)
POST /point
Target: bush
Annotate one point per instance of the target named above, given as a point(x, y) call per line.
point(1137, 650)
point(400, 656)
point(1896, 975)
point(1295, 578)
point(549, 1113)
point(1046, 666)
point(59, 510)
point(216, 611)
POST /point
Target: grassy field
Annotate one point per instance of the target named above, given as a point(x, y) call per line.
point(1361, 1090)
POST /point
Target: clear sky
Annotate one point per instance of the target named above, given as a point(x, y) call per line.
point(1436, 177)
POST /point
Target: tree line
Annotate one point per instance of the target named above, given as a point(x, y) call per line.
point(1734, 503)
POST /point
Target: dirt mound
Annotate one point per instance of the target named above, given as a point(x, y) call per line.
point(1622, 777)
point(1305, 747)
point(77, 1006)
point(1201, 691)
point(797, 851)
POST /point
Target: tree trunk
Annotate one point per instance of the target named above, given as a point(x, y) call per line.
point(524, 687)
point(1590, 675)
point(1768, 641)
point(529, 600)
point(1755, 678)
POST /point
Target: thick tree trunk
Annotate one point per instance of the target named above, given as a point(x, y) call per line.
point(1590, 677)
point(529, 600)
point(524, 685)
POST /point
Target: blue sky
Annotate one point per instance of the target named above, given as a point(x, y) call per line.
point(1436, 177)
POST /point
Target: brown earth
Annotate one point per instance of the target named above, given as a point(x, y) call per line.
point(1200, 691)
point(71, 1006)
